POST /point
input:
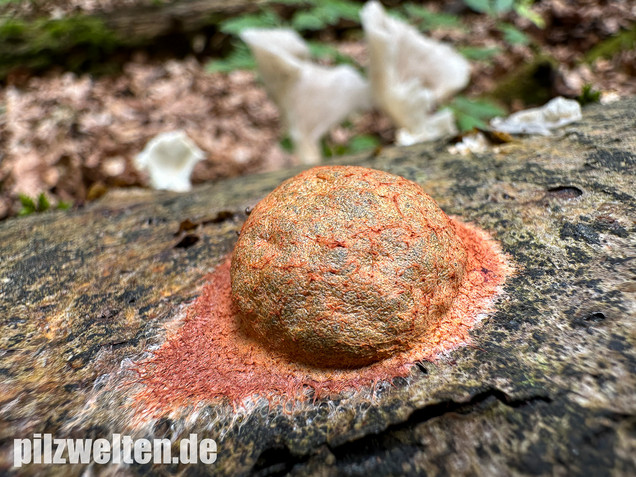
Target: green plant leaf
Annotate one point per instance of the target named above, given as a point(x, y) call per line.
point(363, 142)
point(308, 21)
point(623, 41)
point(471, 113)
point(513, 35)
point(323, 51)
point(239, 59)
point(341, 9)
point(428, 20)
point(360, 143)
point(491, 7)
point(477, 53)
point(399, 15)
point(264, 19)
point(481, 108)
point(480, 6)
point(286, 144)
point(466, 122)
point(523, 8)
point(503, 6)
point(327, 12)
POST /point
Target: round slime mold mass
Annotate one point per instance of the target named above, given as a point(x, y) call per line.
point(343, 266)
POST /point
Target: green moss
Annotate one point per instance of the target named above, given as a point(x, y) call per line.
point(38, 204)
point(78, 42)
point(588, 95)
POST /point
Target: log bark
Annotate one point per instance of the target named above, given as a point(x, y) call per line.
point(98, 41)
point(549, 388)
point(186, 16)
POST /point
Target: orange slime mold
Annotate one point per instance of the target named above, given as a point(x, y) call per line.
point(342, 276)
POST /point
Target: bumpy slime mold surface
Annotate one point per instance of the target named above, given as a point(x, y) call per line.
point(341, 277)
point(343, 266)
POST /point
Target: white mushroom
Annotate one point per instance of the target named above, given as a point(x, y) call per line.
point(410, 74)
point(312, 98)
point(555, 113)
point(169, 159)
point(431, 127)
point(470, 144)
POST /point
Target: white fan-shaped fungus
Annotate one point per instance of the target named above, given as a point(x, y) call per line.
point(471, 143)
point(410, 74)
point(169, 159)
point(555, 113)
point(312, 98)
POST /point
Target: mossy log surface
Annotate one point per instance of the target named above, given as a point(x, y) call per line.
point(90, 42)
point(549, 387)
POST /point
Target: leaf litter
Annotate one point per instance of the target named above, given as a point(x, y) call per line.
point(73, 138)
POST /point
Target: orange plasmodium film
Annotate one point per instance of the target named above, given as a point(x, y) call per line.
point(342, 277)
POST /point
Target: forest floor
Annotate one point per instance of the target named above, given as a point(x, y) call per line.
point(72, 137)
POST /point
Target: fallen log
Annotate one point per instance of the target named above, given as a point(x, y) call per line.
point(549, 386)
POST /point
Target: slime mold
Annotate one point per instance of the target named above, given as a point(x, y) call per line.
point(342, 277)
point(344, 266)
